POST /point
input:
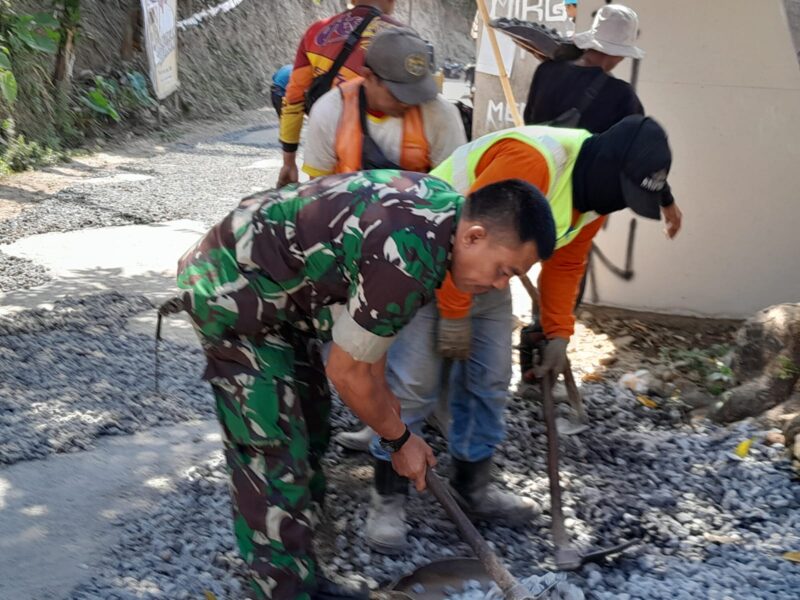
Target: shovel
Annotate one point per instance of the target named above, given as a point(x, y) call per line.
point(512, 589)
point(567, 556)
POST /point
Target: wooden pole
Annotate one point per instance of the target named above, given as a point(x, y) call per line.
point(501, 68)
point(518, 122)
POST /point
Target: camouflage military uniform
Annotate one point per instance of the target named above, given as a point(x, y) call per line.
point(261, 288)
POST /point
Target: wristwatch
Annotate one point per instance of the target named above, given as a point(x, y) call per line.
point(392, 446)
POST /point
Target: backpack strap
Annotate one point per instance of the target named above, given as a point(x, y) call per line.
point(352, 41)
point(591, 92)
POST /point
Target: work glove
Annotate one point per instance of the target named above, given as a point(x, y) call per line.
point(454, 338)
point(554, 358)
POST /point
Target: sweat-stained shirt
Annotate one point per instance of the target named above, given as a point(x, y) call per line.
point(321, 44)
point(369, 247)
point(562, 273)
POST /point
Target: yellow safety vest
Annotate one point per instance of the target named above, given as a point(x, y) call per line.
point(560, 148)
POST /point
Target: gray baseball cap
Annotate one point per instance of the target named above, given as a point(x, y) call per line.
point(402, 60)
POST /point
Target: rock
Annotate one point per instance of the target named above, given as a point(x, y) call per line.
point(767, 362)
point(698, 398)
point(774, 437)
point(791, 432)
point(623, 341)
point(638, 382)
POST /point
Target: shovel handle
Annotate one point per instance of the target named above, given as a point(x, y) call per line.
point(560, 537)
point(496, 570)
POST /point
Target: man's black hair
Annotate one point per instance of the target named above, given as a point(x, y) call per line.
point(515, 206)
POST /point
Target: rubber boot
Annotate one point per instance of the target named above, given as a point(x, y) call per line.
point(386, 519)
point(328, 590)
point(439, 419)
point(355, 440)
point(482, 500)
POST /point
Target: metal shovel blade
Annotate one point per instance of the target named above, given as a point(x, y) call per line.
point(434, 580)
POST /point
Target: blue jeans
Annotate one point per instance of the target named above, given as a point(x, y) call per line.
point(478, 387)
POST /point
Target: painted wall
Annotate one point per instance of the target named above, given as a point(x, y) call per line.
point(723, 77)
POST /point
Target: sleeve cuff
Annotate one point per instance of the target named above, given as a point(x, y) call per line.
point(359, 343)
point(287, 147)
point(313, 172)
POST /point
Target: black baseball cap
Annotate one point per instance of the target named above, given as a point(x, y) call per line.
point(402, 61)
point(645, 166)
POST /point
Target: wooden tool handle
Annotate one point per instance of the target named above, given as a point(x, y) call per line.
point(501, 68)
point(489, 560)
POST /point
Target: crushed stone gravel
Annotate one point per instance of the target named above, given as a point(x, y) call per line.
point(72, 374)
point(18, 273)
point(710, 525)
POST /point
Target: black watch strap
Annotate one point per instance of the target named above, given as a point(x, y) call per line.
point(395, 445)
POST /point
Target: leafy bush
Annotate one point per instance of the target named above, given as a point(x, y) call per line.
point(116, 99)
point(18, 154)
point(20, 32)
point(712, 365)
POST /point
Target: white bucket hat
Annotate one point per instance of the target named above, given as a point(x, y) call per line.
point(613, 32)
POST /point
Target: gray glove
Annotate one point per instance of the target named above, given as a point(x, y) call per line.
point(554, 359)
point(454, 338)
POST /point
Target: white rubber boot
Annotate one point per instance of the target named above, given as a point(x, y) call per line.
point(386, 524)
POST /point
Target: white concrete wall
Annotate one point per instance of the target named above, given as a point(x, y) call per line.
point(722, 76)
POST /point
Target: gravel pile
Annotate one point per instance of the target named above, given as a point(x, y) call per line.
point(711, 525)
point(201, 181)
point(72, 374)
point(20, 273)
point(551, 586)
point(181, 550)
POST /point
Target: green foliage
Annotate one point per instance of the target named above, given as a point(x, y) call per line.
point(20, 154)
point(99, 98)
point(787, 369)
point(8, 83)
point(135, 91)
point(711, 364)
point(118, 99)
point(38, 32)
point(19, 33)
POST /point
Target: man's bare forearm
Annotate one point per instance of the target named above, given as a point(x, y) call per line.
point(373, 402)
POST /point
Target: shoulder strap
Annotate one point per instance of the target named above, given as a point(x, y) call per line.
point(352, 41)
point(591, 92)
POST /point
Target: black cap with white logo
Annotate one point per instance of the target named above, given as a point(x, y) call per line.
point(645, 167)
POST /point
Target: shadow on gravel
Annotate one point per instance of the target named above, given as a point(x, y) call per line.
point(157, 286)
point(19, 194)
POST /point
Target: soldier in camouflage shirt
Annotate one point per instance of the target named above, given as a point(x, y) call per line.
point(349, 258)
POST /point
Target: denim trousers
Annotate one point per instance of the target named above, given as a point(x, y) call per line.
point(476, 389)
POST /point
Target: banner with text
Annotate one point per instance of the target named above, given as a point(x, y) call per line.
point(161, 41)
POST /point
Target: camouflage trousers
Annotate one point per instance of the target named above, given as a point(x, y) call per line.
point(275, 424)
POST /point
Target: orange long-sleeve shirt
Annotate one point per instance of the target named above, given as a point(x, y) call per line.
point(562, 273)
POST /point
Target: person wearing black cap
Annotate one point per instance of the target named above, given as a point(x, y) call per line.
point(391, 117)
point(584, 178)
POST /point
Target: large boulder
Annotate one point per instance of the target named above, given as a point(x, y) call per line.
point(791, 435)
point(766, 363)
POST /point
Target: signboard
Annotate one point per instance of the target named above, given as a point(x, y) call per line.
point(161, 41)
point(491, 111)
